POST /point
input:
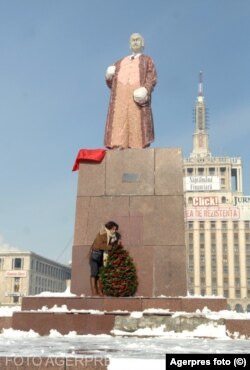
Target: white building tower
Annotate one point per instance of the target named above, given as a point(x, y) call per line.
point(217, 217)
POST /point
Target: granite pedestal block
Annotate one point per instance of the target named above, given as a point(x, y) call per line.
point(142, 190)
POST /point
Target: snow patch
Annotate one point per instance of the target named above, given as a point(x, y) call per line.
point(66, 293)
point(8, 310)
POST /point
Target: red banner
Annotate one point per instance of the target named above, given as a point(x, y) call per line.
point(88, 155)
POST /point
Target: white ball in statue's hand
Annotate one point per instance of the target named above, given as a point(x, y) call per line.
point(110, 72)
point(140, 94)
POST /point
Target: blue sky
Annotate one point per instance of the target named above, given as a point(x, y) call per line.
point(53, 97)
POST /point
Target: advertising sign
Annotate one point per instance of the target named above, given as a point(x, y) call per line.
point(212, 213)
point(243, 203)
point(201, 183)
point(205, 201)
point(15, 273)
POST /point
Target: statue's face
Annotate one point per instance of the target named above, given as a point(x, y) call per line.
point(136, 43)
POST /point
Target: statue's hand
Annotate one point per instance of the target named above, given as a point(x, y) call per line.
point(110, 72)
point(141, 95)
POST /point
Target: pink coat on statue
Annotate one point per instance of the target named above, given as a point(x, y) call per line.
point(129, 121)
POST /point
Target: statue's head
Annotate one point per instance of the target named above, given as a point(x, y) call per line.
point(136, 43)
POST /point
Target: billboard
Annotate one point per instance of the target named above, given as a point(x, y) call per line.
point(201, 183)
point(210, 208)
point(212, 213)
point(243, 203)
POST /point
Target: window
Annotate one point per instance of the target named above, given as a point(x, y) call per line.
point(247, 237)
point(202, 223)
point(191, 280)
point(214, 270)
point(190, 225)
point(213, 238)
point(213, 225)
point(225, 293)
point(237, 270)
point(236, 238)
point(225, 282)
point(203, 281)
point(247, 224)
point(202, 237)
point(17, 263)
point(201, 171)
point(224, 238)
point(202, 259)
point(213, 248)
point(1, 263)
point(224, 225)
point(237, 283)
point(236, 248)
point(211, 171)
point(214, 281)
point(202, 270)
point(213, 260)
point(191, 260)
point(202, 248)
point(235, 225)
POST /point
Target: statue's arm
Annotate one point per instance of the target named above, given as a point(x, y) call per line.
point(151, 76)
point(142, 95)
point(110, 72)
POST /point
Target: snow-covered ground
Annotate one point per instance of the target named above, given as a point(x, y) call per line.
point(147, 349)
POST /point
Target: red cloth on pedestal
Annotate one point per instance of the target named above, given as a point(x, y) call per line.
point(92, 155)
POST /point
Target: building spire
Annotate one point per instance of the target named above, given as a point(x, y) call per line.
point(200, 89)
point(200, 136)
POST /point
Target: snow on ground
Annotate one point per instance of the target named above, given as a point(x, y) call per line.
point(123, 352)
point(145, 348)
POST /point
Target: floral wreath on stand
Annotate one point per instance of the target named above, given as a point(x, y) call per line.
point(118, 276)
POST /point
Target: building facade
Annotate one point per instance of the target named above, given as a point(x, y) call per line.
point(217, 219)
point(26, 273)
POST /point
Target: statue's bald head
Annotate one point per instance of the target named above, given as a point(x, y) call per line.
point(136, 43)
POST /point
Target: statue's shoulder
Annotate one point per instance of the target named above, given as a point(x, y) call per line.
point(146, 58)
point(118, 62)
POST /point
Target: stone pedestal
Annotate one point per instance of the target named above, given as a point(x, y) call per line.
point(141, 190)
